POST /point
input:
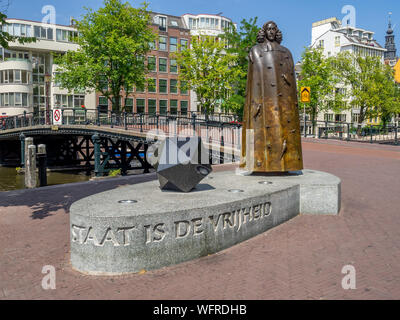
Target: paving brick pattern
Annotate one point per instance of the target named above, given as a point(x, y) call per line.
point(301, 259)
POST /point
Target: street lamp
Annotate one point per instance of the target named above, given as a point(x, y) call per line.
point(47, 80)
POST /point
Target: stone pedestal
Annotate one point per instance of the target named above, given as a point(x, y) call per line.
point(142, 227)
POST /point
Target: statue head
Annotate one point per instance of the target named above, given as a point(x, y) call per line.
point(271, 32)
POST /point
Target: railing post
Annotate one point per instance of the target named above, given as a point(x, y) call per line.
point(348, 131)
point(125, 121)
point(73, 116)
point(24, 118)
point(210, 151)
point(22, 139)
point(158, 122)
point(221, 153)
point(194, 123)
point(97, 154)
point(141, 122)
point(396, 142)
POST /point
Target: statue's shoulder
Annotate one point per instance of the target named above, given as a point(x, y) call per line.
point(256, 49)
point(286, 50)
point(255, 52)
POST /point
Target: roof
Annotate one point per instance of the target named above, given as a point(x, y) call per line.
point(329, 20)
point(170, 19)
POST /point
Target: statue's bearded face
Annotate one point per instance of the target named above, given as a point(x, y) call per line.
point(271, 31)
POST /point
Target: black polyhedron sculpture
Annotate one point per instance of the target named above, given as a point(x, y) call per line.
point(178, 163)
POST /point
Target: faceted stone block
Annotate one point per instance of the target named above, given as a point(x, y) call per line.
point(181, 163)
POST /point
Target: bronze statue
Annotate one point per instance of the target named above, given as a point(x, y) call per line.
point(271, 108)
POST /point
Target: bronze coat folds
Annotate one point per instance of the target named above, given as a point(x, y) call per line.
point(271, 107)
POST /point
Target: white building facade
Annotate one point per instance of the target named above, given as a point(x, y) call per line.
point(209, 25)
point(25, 67)
point(330, 35)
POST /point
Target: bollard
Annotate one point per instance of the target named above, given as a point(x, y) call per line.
point(28, 142)
point(42, 165)
point(30, 168)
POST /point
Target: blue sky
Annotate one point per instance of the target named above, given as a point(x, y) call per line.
point(293, 17)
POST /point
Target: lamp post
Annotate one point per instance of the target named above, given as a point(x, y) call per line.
point(47, 80)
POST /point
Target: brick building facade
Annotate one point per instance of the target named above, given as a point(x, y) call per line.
point(163, 94)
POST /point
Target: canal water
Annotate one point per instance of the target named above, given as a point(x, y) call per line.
point(11, 180)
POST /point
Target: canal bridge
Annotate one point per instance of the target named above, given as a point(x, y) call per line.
point(90, 140)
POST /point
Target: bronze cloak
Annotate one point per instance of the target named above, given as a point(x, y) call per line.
point(271, 110)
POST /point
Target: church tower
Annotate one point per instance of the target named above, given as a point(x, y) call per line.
point(391, 54)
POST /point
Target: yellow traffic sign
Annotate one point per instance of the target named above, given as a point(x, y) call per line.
point(305, 94)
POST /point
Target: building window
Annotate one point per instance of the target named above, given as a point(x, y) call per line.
point(173, 42)
point(183, 88)
point(152, 45)
point(162, 23)
point(140, 89)
point(140, 105)
point(66, 35)
point(152, 85)
point(129, 105)
point(15, 76)
point(173, 106)
point(152, 64)
point(14, 99)
point(321, 44)
point(103, 104)
point(152, 104)
point(173, 66)
point(162, 65)
point(337, 41)
point(163, 107)
point(162, 43)
point(163, 85)
point(173, 86)
point(184, 43)
point(184, 107)
point(328, 116)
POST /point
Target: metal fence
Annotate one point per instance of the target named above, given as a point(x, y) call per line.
point(218, 129)
point(345, 131)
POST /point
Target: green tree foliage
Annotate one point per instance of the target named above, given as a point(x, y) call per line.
point(321, 75)
point(6, 38)
point(240, 43)
point(208, 70)
point(113, 43)
point(373, 89)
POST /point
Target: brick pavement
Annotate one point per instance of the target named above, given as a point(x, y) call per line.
point(301, 259)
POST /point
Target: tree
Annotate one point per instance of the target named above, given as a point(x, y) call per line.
point(321, 75)
point(207, 69)
point(5, 37)
point(240, 43)
point(373, 89)
point(388, 105)
point(113, 43)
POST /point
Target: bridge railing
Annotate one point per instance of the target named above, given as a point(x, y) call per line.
point(218, 129)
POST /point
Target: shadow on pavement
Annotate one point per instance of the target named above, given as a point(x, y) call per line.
point(44, 201)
